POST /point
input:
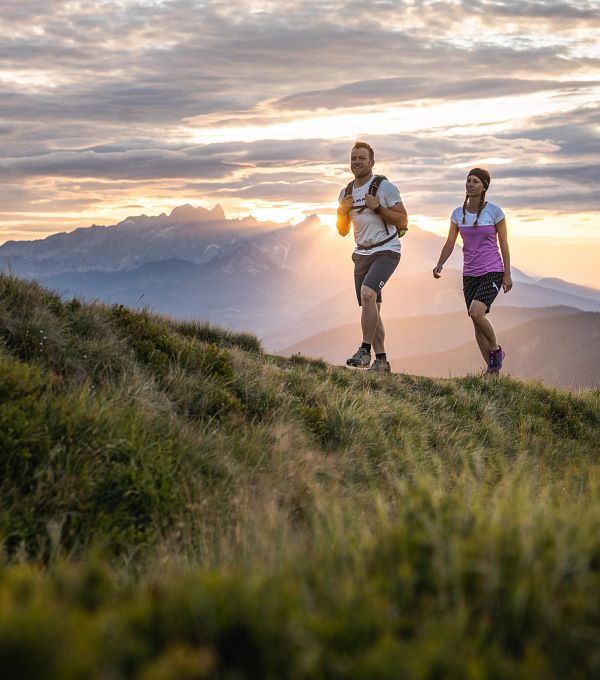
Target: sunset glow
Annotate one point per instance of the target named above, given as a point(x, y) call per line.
point(260, 118)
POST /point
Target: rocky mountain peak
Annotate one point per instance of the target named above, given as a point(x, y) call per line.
point(188, 213)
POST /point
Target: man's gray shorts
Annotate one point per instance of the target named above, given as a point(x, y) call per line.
point(374, 270)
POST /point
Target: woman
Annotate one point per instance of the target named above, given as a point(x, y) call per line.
point(482, 227)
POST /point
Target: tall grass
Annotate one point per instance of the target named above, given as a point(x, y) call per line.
point(175, 503)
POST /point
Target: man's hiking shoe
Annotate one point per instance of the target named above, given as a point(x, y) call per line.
point(495, 362)
point(380, 366)
point(360, 359)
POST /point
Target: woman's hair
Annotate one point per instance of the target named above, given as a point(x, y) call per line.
point(481, 204)
point(485, 178)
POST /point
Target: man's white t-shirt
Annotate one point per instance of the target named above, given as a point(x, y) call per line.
point(368, 226)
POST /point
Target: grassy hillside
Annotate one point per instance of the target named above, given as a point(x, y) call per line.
point(175, 503)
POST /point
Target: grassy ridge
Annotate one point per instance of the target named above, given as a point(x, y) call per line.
point(234, 514)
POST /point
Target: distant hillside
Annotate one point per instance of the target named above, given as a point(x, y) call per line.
point(177, 503)
point(571, 288)
point(416, 335)
point(562, 351)
point(421, 295)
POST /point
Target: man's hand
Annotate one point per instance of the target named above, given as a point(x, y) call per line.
point(437, 271)
point(372, 202)
point(507, 283)
point(346, 205)
point(342, 222)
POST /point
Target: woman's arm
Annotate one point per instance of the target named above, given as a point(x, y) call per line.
point(507, 283)
point(446, 250)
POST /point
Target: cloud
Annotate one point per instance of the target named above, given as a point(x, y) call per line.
point(413, 88)
point(293, 170)
point(100, 99)
point(541, 9)
point(145, 164)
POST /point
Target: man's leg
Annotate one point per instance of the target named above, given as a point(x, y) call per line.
point(369, 318)
point(371, 275)
point(484, 331)
point(379, 336)
point(362, 358)
point(380, 270)
point(381, 364)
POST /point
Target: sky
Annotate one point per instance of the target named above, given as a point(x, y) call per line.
point(126, 107)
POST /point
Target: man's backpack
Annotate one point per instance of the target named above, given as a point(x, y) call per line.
point(373, 189)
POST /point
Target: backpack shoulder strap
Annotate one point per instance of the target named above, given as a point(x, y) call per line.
point(348, 189)
point(374, 187)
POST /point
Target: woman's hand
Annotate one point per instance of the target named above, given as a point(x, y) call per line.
point(437, 271)
point(507, 283)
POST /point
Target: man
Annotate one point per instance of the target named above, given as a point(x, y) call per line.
point(376, 220)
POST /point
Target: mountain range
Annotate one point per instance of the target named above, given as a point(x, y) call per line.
point(286, 283)
point(194, 234)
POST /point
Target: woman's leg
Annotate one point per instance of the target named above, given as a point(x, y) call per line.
point(484, 331)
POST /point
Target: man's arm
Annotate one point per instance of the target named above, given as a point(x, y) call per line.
point(343, 216)
point(396, 214)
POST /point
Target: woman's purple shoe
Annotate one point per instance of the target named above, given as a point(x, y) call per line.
point(496, 359)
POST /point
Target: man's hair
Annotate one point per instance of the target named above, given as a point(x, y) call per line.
point(364, 145)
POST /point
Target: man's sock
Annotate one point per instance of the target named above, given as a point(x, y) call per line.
point(382, 356)
point(367, 346)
